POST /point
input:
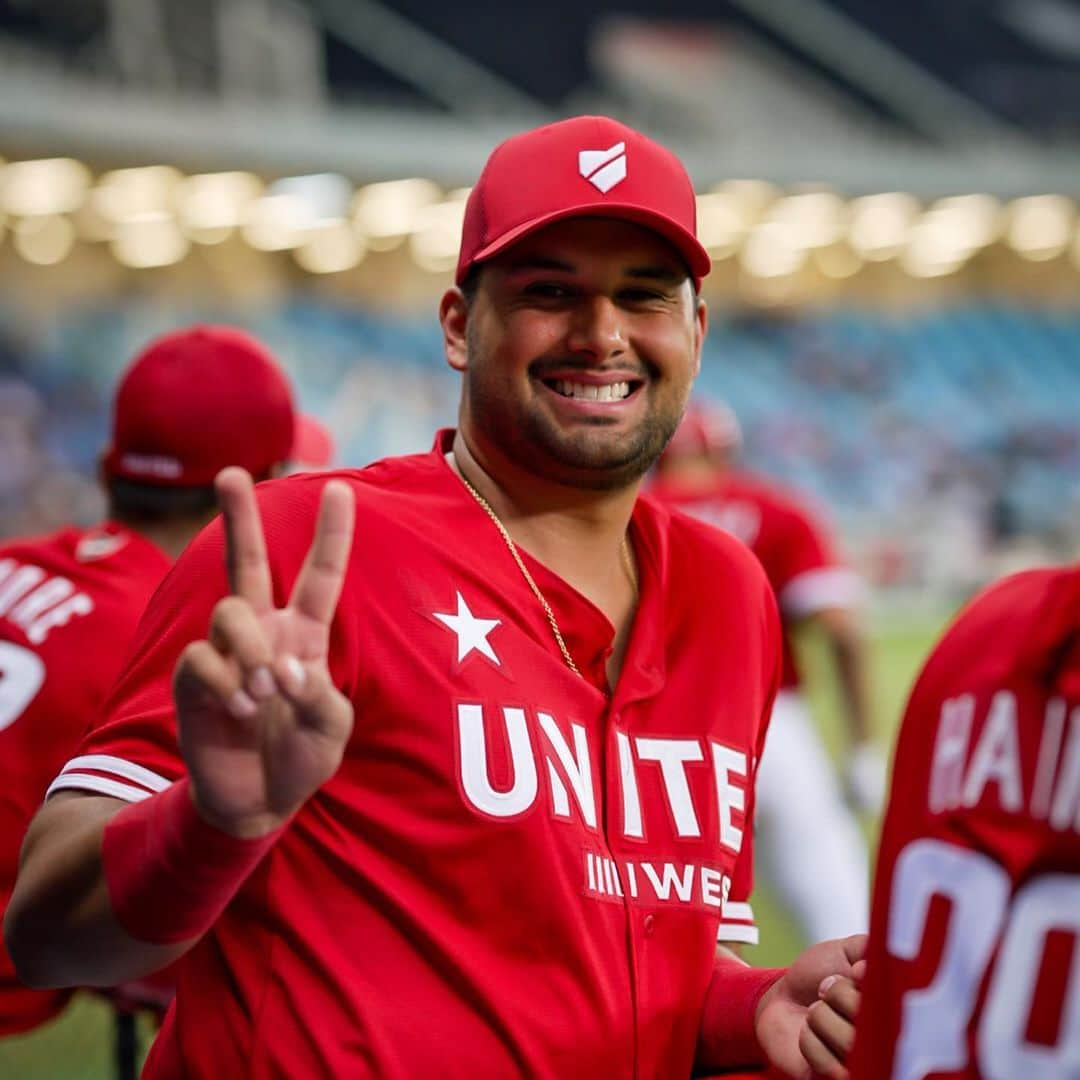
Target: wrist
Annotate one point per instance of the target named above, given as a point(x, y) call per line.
point(733, 1007)
point(169, 872)
point(240, 827)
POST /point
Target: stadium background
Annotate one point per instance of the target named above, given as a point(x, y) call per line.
point(889, 195)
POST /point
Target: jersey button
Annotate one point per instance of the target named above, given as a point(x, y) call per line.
point(648, 924)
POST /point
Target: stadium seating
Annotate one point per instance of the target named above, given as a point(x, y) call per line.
point(881, 417)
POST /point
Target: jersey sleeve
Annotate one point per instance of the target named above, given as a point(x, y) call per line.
point(130, 750)
point(736, 914)
point(806, 570)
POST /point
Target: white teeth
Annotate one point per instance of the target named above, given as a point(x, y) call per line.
point(591, 392)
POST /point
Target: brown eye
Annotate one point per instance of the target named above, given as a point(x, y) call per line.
point(548, 290)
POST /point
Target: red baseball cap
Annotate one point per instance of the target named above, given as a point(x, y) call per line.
point(588, 166)
point(313, 445)
point(706, 427)
point(197, 400)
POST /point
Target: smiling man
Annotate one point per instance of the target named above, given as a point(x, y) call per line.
point(470, 794)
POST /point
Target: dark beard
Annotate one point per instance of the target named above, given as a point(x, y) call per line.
point(583, 460)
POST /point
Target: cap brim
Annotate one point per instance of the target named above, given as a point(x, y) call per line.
point(313, 445)
point(685, 243)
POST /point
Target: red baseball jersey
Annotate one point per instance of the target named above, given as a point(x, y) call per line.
point(69, 604)
point(792, 544)
point(513, 873)
point(973, 969)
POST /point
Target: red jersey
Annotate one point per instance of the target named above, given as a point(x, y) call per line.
point(513, 873)
point(69, 604)
point(791, 543)
point(974, 968)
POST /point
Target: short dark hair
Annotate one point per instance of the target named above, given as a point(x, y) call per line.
point(471, 285)
point(134, 503)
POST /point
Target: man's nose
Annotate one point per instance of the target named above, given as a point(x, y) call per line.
point(597, 329)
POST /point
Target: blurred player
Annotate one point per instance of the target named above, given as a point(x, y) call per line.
point(469, 797)
point(974, 963)
point(313, 447)
point(191, 403)
point(810, 842)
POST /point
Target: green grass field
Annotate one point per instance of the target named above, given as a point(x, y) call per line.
point(78, 1045)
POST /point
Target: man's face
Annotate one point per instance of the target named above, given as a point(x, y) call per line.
point(578, 351)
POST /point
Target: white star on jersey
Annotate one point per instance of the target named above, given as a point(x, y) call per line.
point(472, 633)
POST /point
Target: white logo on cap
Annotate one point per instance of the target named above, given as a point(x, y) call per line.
point(603, 168)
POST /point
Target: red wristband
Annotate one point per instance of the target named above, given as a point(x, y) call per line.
point(728, 1037)
point(169, 873)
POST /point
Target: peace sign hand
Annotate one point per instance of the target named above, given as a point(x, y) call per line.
point(261, 725)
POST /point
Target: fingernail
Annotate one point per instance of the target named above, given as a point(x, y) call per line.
point(295, 670)
point(261, 683)
point(240, 704)
point(827, 982)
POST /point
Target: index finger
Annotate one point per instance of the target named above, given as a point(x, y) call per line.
point(245, 546)
point(319, 582)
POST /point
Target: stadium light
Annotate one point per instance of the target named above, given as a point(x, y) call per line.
point(751, 197)
point(720, 225)
point(838, 261)
point(880, 225)
point(43, 187)
point(210, 206)
point(44, 239)
point(979, 218)
point(153, 239)
point(813, 219)
point(772, 250)
point(939, 244)
point(277, 222)
point(1040, 226)
point(436, 237)
point(385, 213)
point(124, 194)
point(331, 247)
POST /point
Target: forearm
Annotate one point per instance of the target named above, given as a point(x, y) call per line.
point(849, 654)
point(60, 927)
point(728, 1037)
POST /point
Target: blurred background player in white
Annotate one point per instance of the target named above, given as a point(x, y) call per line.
point(191, 403)
point(973, 969)
point(811, 844)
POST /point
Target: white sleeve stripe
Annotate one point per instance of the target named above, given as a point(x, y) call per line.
point(813, 590)
point(101, 784)
point(737, 912)
point(748, 935)
point(119, 767)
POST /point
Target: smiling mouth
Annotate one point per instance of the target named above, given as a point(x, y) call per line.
point(618, 391)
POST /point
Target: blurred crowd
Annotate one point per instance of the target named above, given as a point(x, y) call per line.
point(943, 445)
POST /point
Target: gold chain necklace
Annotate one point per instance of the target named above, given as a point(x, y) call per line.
point(628, 563)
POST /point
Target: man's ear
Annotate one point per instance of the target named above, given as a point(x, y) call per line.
point(701, 320)
point(454, 318)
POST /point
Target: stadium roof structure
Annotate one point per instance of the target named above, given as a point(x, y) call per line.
point(824, 91)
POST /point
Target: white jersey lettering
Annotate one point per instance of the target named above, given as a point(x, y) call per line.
point(475, 778)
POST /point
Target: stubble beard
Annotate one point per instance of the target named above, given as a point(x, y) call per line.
point(589, 457)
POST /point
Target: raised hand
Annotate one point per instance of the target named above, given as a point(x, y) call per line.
point(261, 725)
point(806, 1020)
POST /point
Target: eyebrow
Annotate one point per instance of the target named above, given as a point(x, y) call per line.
point(667, 274)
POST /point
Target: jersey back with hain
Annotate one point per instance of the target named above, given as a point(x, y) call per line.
point(69, 604)
point(974, 964)
point(790, 541)
point(512, 873)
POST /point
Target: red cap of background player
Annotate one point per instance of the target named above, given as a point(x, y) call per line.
point(195, 401)
point(706, 427)
point(589, 166)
